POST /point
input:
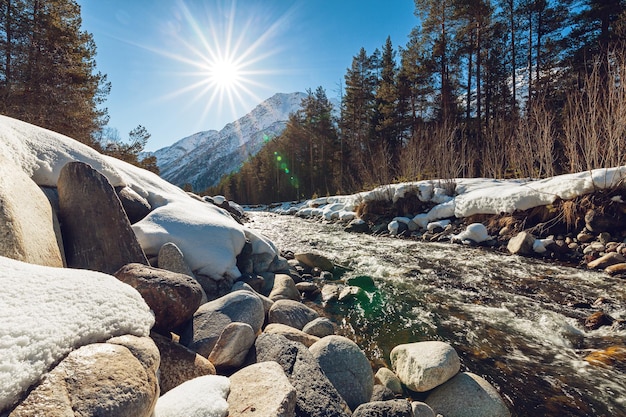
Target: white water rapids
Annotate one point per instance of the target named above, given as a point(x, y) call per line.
point(516, 321)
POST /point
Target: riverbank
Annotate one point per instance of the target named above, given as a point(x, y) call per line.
point(517, 321)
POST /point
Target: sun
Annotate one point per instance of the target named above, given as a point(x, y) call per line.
point(225, 74)
point(225, 55)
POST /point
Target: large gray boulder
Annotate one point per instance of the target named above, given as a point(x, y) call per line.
point(422, 366)
point(101, 379)
point(173, 297)
point(178, 363)
point(346, 367)
point(96, 232)
point(292, 313)
point(467, 395)
point(261, 390)
point(29, 229)
point(315, 394)
point(211, 319)
point(391, 408)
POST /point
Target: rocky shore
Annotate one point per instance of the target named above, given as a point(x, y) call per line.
point(588, 231)
point(110, 310)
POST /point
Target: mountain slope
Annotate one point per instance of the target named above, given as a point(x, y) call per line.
point(203, 158)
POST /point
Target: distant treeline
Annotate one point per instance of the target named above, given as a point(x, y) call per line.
point(508, 88)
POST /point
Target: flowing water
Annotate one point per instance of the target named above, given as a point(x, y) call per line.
point(517, 322)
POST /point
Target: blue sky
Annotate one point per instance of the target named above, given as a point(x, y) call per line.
point(159, 54)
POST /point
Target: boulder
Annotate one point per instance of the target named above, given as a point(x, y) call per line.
point(521, 244)
point(204, 396)
point(232, 346)
point(350, 294)
point(421, 409)
point(467, 395)
point(101, 379)
point(330, 292)
point(292, 313)
point(267, 303)
point(357, 226)
point(308, 288)
point(617, 269)
point(261, 390)
point(389, 379)
point(135, 206)
point(96, 232)
point(346, 367)
point(314, 260)
point(422, 366)
point(30, 229)
point(284, 288)
point(179, 364)
point(607, 260)
point(382, 393)
point(173, 297)
point(172, 259)
point(315, 394)
point(597, 222)
point(392, 408)
point(319, 327)
point(291, 333)
point(212, 318)
point(597, 320)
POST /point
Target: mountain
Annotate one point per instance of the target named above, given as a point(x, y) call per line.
point(204, 157)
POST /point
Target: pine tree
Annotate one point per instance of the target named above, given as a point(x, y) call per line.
point(438, 27)
point(388, 125)
point(48, 69)
point(358, 107)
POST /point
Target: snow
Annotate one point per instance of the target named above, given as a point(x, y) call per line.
point(475, 232)
point(207, 235)
point(470, 196)
point(210, 244)
point(47, 312)
point(204, 396)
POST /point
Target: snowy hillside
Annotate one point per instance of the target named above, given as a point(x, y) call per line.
point(203, 158)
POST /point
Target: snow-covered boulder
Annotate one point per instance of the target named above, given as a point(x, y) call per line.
point(119, 377)
point(204, 396)
point(48, 312)
point(475, 232)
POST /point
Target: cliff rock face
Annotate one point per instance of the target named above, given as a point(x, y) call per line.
point(203, 158)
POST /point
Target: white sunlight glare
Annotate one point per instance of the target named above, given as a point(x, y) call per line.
point(225, 55)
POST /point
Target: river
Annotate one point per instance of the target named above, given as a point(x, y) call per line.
point(518, 322)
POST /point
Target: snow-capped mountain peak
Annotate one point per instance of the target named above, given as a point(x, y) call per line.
point(204, 157)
